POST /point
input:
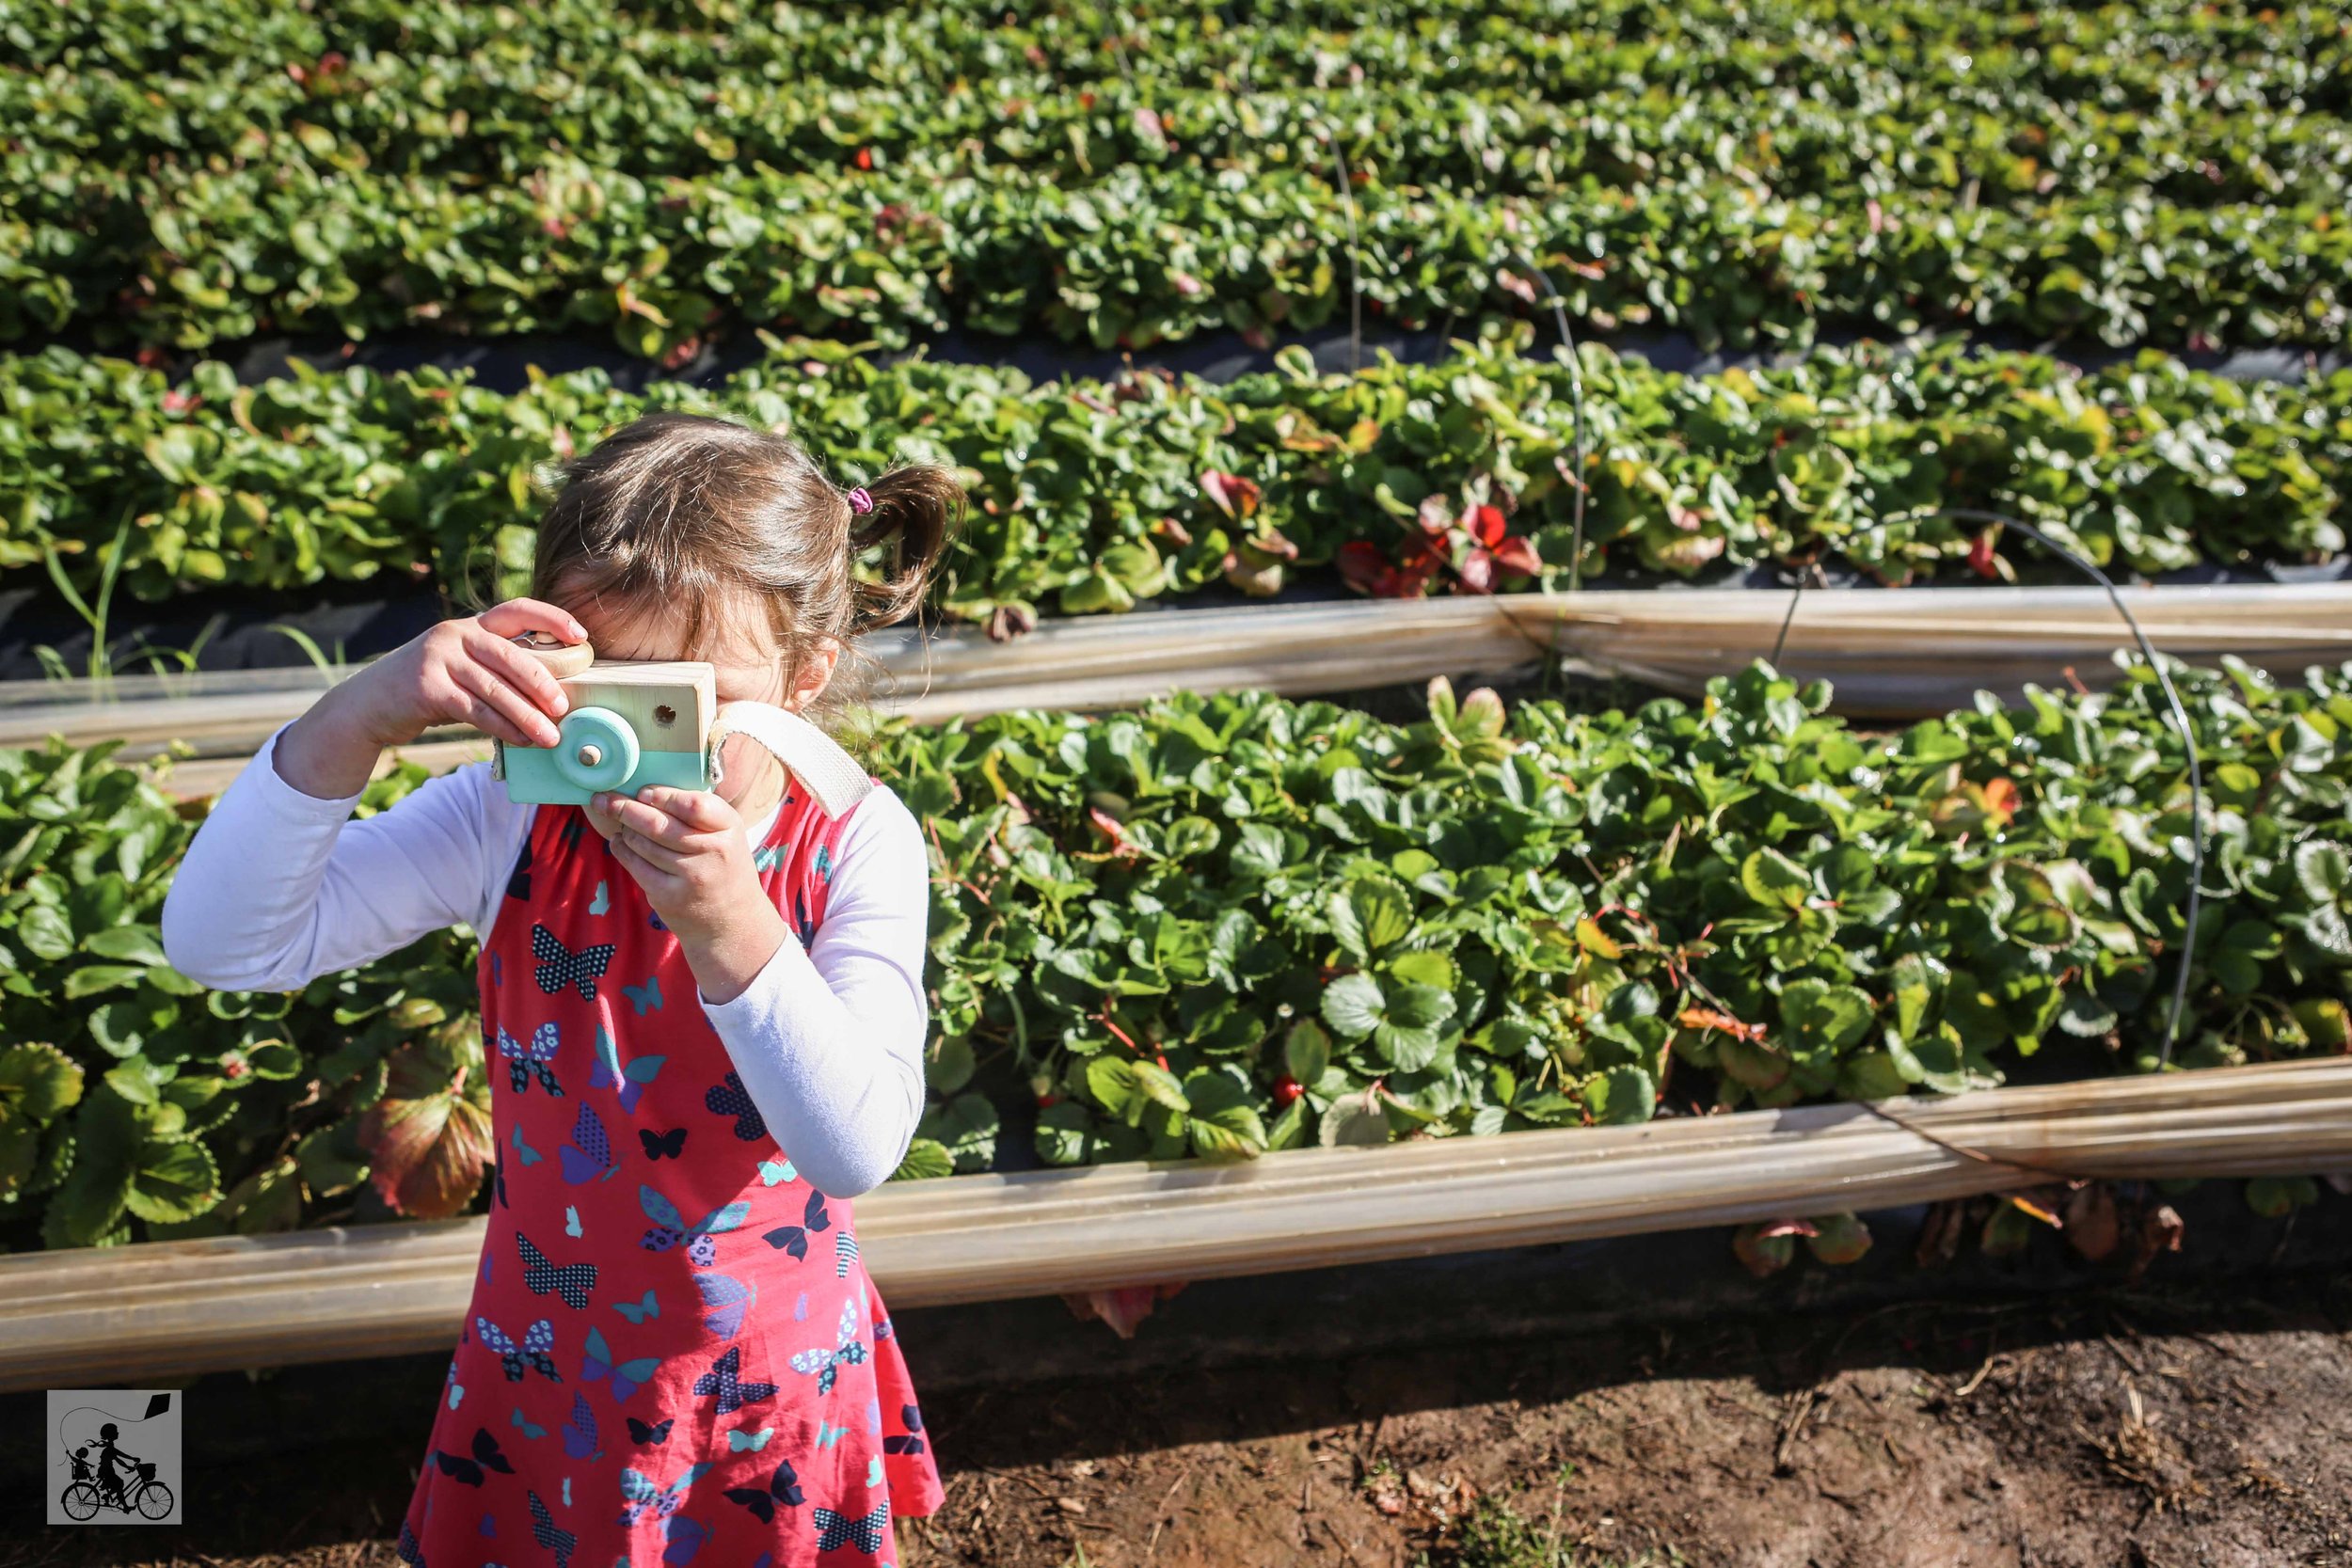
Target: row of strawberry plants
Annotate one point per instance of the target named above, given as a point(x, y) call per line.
point(1891, 123)
point(1232, 924)
point(1455, 476)
point(564, 63)
point(1136, 257)
point(1878, 133)
point(1790, 113)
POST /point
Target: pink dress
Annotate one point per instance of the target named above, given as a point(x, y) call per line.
point(672, 1354)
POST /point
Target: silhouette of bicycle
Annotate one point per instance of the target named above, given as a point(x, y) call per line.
point(151, 1499)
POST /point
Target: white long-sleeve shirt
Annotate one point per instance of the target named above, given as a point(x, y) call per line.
point(279, 887)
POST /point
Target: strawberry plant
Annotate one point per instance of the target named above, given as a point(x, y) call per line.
point(1130, 258)
point(1128, 176)
point(1089, 497)
point(133, 1102)
point(1224, 924)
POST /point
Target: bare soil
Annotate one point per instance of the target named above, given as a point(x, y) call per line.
point(2153, 1429)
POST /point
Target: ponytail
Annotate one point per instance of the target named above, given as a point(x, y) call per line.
point(915, 512)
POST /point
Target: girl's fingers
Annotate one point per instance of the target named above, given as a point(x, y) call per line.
point(520, 671)
point(527, 725)
point(670, 862)
point(600, 819)
point(517, 616)
point(467, 706)
point(647, 822)
point(649, 874)
point(697, 808)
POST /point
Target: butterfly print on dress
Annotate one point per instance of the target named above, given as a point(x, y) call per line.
point(912, 1418)
point(486, 1456)
point(794, 1238)
point(559, 966)
point(670, 1227)
point(524, 1060)
point(783, 1487)
point(642, 1495)
point(580, 1433)
point(625, 1377)
point(544, 1531)
point(572, 1281)
point(723, 1382)
point(730, 1098)
point(838, 1530)
point(589, 1155)
point(685, 1537)
point(725, 1299)
point(610, 1073)
point(535, 1352)
point(846, 1352)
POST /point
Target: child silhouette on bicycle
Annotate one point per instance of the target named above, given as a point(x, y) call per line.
point(113, 1481)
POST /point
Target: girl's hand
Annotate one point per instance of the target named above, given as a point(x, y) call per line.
point(463, 672)
point(687, 850)
point(467, 672)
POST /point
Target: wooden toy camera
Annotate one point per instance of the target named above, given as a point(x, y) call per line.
point(635, 723)
point(629, 725)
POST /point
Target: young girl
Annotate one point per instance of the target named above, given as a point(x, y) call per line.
point(704, 1022)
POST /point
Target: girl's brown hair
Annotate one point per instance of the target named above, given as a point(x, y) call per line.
point(703, 514)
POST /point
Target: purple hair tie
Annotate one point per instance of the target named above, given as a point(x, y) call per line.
point(860, 501)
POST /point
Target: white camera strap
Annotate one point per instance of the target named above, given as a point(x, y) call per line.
point(829, 774)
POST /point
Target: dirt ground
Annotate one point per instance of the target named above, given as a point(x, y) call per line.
point(2148, 1430)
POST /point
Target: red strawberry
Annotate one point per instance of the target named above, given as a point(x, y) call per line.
point(864, 158)
point(1286, 1089)
point(1980, 556)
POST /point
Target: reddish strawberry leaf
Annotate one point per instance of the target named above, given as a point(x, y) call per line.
point(1519, 556)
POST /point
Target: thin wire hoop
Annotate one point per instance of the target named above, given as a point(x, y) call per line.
point(2164, 679)
point(1963, 513)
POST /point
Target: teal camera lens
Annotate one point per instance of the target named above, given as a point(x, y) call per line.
point(596, 750)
